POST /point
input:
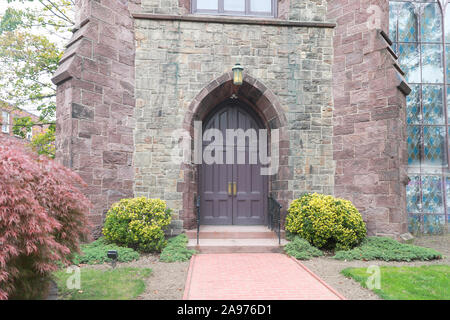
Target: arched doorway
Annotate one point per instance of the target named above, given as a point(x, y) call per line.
point(232, 189)
point(267, 107)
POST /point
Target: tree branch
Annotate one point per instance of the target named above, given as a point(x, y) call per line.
point(34, 124)
point(57, 8)
point(50, 9)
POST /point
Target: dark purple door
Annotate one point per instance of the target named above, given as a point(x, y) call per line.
point(236, 192)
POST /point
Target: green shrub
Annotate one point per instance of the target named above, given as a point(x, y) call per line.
point(383, 248)
point(325, 221)
point(43, 218)
point(301, 249)
point(176, 250)
point(96, 252)
point(138, 223)
point(290, 236)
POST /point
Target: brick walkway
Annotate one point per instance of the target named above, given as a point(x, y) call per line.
point(253, 276)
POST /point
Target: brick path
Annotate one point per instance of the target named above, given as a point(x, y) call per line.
point(253, 276)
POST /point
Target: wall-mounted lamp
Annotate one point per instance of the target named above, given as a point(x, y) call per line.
point(237, 74)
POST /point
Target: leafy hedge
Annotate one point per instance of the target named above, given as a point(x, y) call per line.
point(96, 253)
point(176, 250)
point(301, 249)
point(387, 249)
point(138, 223)
point(325, 221)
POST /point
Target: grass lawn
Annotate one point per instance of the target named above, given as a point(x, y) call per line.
point(408, 283)
point(114, 284)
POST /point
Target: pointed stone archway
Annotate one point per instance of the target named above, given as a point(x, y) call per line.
point(265, 103)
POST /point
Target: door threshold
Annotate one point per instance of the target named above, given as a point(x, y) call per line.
point(234, 228)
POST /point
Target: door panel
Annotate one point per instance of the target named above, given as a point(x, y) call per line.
point(249, 201)
point(248, 206)
point(215, 202)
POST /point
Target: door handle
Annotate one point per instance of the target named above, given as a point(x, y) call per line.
point(229, 188)
point(234, 188)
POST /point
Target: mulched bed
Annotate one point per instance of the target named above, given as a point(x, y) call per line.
point(166, 281)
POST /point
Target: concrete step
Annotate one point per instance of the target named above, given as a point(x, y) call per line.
point(236, 245)
point(233, 232)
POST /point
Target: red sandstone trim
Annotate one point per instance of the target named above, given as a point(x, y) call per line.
point(319, 279)
point(187, 287)
point(234, 20)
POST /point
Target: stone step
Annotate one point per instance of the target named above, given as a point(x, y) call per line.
point(233, 232)
point(237, 245)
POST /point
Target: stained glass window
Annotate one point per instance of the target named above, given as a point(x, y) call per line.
point(420, 31)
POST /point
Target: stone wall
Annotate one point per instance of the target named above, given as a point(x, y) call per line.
point(176, 60)
point(369, 117)
point(177, 7)
point(95, 102)
point(124, 84)
point(315, 10)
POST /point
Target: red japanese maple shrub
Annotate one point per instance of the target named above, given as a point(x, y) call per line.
point(43, 217)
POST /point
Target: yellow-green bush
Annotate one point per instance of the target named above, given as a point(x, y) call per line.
point(138, 223)
point(325, 221)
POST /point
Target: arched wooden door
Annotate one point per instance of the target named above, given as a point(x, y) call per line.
point(232, 192)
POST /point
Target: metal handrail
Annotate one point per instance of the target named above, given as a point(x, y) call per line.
point(274, 216)
point(197, 204)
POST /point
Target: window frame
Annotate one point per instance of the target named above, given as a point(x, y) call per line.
point(420, 43)
point(425, 176)
point(247, 13)
point(5, 124)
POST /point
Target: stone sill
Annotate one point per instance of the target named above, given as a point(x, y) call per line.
point(234, 20)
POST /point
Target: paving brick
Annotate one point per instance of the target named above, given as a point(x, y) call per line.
point(252, 276)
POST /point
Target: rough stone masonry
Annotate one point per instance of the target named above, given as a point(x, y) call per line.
point(319, 72)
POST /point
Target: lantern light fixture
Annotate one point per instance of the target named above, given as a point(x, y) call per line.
point(237, 74)
point(113, 255)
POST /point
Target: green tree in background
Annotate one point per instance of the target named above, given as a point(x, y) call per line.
point(32, 34)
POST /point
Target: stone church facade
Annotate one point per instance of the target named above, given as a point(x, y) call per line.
point(321, 72)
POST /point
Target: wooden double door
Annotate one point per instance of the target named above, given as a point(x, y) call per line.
point(232, 192)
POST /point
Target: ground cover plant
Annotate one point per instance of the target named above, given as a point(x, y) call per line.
point(138, 223)
point(387, 249)
point(96, 253)
point(95, 284)
point(407, 283)
point(301, 249)
point(176, 250)
point(326, 222)
point(43, 217)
